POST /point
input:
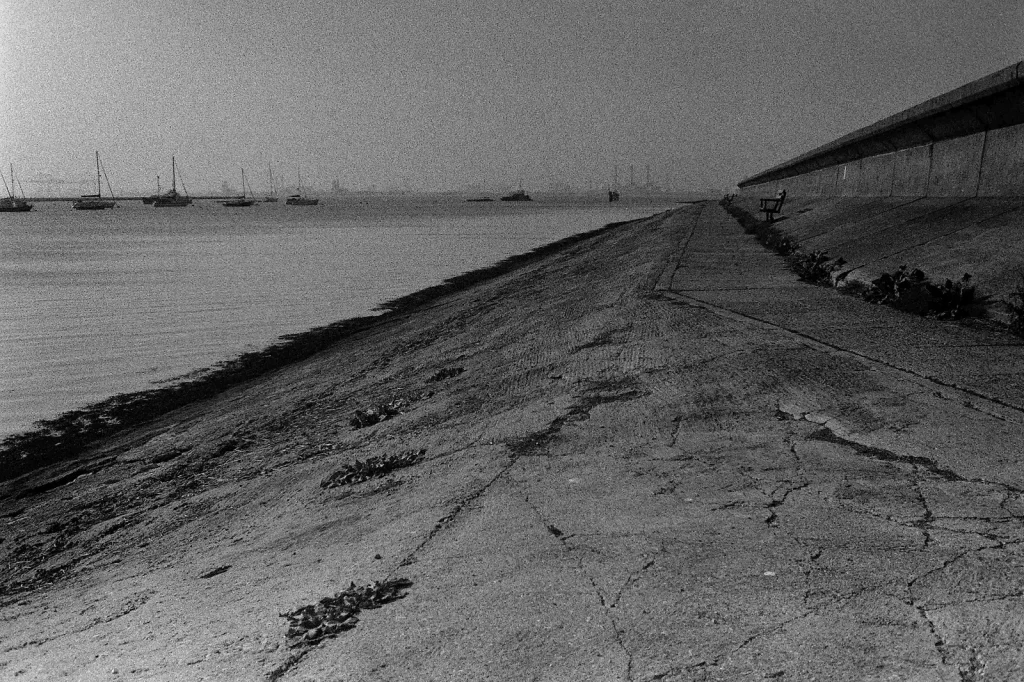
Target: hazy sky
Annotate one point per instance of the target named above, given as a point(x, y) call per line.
point(448, 92)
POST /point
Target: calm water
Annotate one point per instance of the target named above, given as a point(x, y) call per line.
point(98, 303)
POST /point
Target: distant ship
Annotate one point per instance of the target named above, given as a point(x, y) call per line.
point(11, 203)
point(242, 200)
point(517, 196)
point(171, 197)
point(95, 202)
point(298, 199)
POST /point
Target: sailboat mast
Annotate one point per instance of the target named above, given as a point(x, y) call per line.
point(174, 180)
point(98, 185)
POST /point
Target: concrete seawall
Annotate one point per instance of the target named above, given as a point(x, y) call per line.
point(966, 143)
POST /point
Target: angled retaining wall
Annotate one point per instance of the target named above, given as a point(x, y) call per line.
point(966, 143)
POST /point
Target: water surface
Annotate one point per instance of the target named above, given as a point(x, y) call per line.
point(93, 304)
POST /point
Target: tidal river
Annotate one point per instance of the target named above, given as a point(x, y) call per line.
point(96, 303)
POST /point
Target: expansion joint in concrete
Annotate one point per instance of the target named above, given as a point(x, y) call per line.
point(447, 520)
point(934, 383)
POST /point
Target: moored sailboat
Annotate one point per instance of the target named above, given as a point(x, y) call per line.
point(272, 196)
point(300, 200)
point(95, 202)
point(11, 203)
point(172, 197)
point(241, 200)
point(153, 197)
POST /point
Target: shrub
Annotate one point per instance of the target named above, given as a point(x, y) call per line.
point(1016, 306)
point(910, 290)
point(816, 267)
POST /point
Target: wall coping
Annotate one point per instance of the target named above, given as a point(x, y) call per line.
point(994, 101)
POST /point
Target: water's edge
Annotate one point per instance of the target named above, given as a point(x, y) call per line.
point(67, 435)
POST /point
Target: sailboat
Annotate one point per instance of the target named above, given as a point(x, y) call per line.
point(153, 197)
point(242, 200)
point(171, 197)
point(95, 202)
point(11, 203)
point(272, 197)
point(298, 199)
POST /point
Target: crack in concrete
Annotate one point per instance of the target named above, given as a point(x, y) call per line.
point(137, 602)
point(874, 362)
point(675, 260)
point(446, 521)
point(606, 606)
point(925, 521)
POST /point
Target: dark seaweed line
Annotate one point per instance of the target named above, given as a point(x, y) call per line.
point(67, 435)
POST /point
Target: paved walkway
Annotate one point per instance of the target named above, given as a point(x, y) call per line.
point(729, 271)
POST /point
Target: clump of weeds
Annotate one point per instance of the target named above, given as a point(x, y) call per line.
point(378, 413)
point(816, 267)
point(1016, 306)
point(311, 624)
point(911, 291)
point(373, 467)
point(447, 373)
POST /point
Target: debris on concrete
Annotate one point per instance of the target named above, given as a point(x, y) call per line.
point(372, 467)
point(378, 413)
point(447, 373)
point(311, 624)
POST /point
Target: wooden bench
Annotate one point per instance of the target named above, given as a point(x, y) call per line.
point(772, 206)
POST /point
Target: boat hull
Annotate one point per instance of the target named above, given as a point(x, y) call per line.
point(92, 205)
point(176, 200)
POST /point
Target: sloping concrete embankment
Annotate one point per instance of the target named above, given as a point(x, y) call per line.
point(944, 237)
point(655, 455)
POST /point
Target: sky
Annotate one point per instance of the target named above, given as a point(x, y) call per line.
point(442, 94)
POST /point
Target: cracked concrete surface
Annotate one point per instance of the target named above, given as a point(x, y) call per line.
point(661, 462)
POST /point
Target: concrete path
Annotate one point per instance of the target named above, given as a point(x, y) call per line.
point(654, 456)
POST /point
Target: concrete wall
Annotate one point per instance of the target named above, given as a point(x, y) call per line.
point(1003, 165)
point(966, 143)
point(984, 164)
point(911, 170)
